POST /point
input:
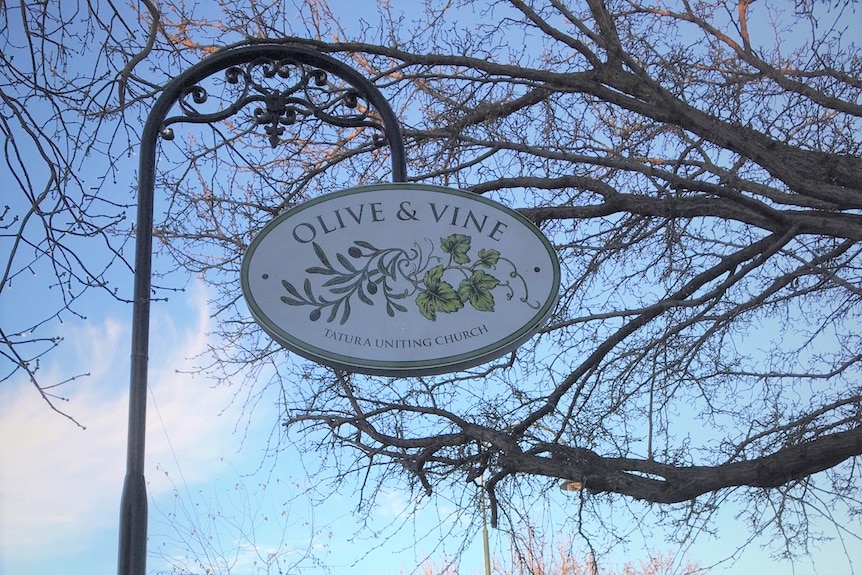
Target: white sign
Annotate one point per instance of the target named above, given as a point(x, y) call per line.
point(400, 279)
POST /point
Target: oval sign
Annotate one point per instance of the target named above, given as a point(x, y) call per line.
point(400, 279)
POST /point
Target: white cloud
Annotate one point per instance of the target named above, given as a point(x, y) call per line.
point(59, 484)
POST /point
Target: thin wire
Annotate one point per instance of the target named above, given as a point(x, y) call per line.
point(170, 443)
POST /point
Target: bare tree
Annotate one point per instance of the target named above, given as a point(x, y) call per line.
point(68, 85)
point(534, 556)
point(697, 166)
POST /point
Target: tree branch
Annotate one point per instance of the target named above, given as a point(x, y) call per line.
point(635, 477)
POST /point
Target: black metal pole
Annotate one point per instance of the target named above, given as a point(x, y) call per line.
point(133, 507)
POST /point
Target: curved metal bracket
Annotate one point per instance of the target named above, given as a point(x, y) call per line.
point(287, 84)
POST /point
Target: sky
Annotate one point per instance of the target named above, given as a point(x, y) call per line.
point(60, 485)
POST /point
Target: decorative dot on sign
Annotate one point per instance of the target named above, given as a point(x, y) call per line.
point(537, 269)
point(265, 276)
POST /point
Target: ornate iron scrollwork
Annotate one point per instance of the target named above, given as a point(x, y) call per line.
point(284, 92)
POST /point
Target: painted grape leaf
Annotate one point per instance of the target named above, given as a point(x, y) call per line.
point(488, 258)
point(438, 295)
point(457, 245)
point(477, 290)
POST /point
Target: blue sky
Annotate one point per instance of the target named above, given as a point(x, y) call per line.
point(60, 485)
